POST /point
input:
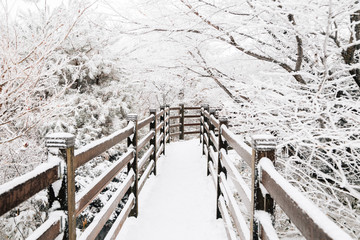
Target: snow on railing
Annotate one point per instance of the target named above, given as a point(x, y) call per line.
point(267, 185)
point(63, 159)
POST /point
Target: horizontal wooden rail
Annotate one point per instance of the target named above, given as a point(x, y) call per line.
point(145, 140)
point(120, 220)
point(145, 122)
point(306, 216)
point(192, 116)
point(265, 221)
point(159, 152)
point(21, 188)
point(50, 229)
point(214, 122)
point(101, 218)
point(88, 152)
point(228, 224)
point(192, 132)
point(235, 213)
point(174, 117)
point(212, 173)
point(145, 157)
point(159, 139)
point(159, 126)
point(239, 183)
point(192, 108)
point(87, 195)
point(191, 124)
point(214, 140)
point(145, 175)
point(174, 108)
point(159, 114)
point(241, 148)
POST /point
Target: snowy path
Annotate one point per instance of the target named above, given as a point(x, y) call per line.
point(179, 203)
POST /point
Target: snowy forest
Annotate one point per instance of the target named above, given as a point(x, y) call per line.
point(284, 67)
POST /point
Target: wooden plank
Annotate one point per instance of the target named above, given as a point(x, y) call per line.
point(159, 114)
point(213, 174)
point(238, 181)
point(95, 148)
point(206, 152)
point(206, 127)
point(206, 114)
point(241, 148)
point(192, 116)
point(159, 139)
point(174, 108)
point(240, 223)
point(87, 195)
point(192, 108)
point(214, 121)
point(145, 175)
point(306, 216)
point(214, 139)
point(50, 229)
point(206, 139)
point(213, 155)
point(120, 220)
point(145, 157)
point(145, 122)
point(161, 148)
point(191, 124)
point(226, 217)
point(192, 132)
point(175, 117)
point(21, 188)
point(145, 140)
point(101, 218)
point(267, 228)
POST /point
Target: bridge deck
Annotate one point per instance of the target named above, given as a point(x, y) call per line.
point(179, 203)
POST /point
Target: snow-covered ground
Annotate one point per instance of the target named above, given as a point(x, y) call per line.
point(179, 203)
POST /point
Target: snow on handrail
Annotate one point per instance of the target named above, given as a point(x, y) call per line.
point(240, 147)
point(306, 216)
point(23, 187)
point(95, 148)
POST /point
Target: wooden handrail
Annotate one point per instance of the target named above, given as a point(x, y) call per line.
point(21, 188)
point(278, 189)
point(216, 139)
point(88, 152)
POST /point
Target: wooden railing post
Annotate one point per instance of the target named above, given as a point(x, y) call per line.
point(162, 130)
point(62, 144)
point(153, 125)
point(168, 122)
point(182, 113)
point(205, 107)
point(210, 144)
point(222, 145)
point(263, 146)
point(132, 142)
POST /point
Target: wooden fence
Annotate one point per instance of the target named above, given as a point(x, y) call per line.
point(63, 159)
point(267, 186)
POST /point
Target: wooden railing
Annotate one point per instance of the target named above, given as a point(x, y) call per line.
point(61, 166)
point(184, 118)
point(267, 186)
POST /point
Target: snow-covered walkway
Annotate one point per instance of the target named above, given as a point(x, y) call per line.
point(179, 203)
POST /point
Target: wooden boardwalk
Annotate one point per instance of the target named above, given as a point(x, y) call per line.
point(179, 203)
